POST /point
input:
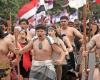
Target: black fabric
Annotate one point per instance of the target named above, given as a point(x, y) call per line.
point(1, 33)
point(40, 9)
point(23, 72)
point(70, 76)
point(71, 61)
point(77, 44)
point(3, 72)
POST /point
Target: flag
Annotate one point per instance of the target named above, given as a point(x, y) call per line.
point(29, 9)
point(48, 4)
point(64, 3)
point(41, 11)
point(98, 1)
point(76, 3)
point(56, 18)
point(73, 16)
point(34, 7)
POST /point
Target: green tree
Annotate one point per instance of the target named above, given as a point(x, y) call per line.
point(10, 6)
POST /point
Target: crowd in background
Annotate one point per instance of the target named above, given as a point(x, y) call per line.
point(68, 35)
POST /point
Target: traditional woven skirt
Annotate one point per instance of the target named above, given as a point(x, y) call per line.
point(42, 70)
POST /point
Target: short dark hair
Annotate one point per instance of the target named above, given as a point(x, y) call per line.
point(40, 26)
point(64, 17)
point(23, 20)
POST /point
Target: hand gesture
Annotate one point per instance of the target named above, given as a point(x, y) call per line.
point(17, 51)
point(85, 53)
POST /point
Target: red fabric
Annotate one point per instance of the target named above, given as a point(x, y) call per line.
point(25, 8)
point(26, 59)
point(98, 1)
point(30, 20)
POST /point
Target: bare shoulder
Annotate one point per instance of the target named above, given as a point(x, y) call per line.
point(74, 29)
point(96, 36)
point(9, 38)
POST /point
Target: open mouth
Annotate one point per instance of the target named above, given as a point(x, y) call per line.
point(39, 36)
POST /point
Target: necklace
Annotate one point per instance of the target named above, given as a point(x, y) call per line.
point(40, 46)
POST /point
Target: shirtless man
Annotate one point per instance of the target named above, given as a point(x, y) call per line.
point(6, 45)
point(42, 64)
point(95, 42)
point(71, 33)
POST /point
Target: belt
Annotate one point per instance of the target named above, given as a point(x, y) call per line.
point(41, 63)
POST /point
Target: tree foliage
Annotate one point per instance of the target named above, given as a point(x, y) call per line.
point(12, 6)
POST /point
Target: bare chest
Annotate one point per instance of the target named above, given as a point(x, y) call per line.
point(69, 33)
point(42, 47)
point(3, 48)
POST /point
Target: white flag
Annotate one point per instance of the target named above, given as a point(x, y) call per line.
point(76, 3)
point(73, 16)
point(48, 4)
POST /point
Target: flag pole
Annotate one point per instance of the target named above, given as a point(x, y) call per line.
point(17, 55)
point(86, 58)
point(9, 22)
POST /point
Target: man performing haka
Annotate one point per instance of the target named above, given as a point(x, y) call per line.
point(43, 47)
point(6, 45)
point(71, 33)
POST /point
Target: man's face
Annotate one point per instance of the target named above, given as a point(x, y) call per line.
point(24, 25)
point(63, 22)
point(40, 33)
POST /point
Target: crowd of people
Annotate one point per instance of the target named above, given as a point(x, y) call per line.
point(47, 52)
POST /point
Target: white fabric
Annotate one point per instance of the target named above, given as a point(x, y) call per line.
point(48, 63)
point(77, 3)
point(51, 39)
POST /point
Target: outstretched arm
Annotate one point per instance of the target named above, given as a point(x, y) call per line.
point(28, 47)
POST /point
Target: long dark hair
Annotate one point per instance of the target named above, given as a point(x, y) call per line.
point(1, 33)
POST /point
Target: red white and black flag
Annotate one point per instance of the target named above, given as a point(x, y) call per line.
point(28, 10)
point(32, 8)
